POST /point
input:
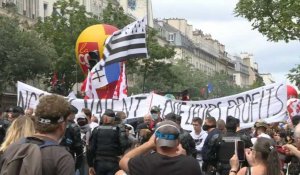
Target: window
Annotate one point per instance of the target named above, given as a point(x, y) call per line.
point(171, 37)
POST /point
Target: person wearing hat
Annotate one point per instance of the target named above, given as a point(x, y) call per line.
point(12, 114)
point(165, 160)
point(50, 125)
point(155, 114)
point(108, 142)
point(260, 127)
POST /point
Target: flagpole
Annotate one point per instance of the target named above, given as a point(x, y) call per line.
point(147, 27)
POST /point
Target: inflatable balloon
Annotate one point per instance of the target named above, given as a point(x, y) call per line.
point(92, 40)
point(291, 92)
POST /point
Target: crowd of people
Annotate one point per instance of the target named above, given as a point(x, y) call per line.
point(56, 138)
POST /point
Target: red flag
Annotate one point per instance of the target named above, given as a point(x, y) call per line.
point(202, 91)
point(54, 79)
point(121, 88)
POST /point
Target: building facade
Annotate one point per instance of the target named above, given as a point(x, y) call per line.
point(241, 73)
point(200, 50)
point(33, 9)
point(138, 9)
point(267, 78)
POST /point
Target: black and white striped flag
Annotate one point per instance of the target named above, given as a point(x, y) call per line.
point(130, 42)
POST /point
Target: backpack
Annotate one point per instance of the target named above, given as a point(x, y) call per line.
point(24, 157)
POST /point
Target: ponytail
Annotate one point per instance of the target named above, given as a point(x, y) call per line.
point(273, 162)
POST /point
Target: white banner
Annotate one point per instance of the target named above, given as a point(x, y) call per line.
point(267, 102)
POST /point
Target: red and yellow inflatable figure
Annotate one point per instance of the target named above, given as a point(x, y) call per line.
point(91, 39)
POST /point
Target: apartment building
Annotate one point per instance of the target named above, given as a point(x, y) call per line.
point(200, 50)
point(241, 73)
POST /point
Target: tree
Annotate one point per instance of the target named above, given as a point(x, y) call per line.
point(294, 75)
point(149, 74)
point(258, 82)
point(24, 55)
point(276, 19)
point(62, 29)
point(153, 72)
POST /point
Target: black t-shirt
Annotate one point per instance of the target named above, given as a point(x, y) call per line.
point(155, 163)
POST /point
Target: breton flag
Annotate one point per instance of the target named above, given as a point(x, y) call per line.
point(130, 42)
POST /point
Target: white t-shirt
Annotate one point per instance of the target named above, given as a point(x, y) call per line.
point(253, 140)
point(93, 125)
point(199, 141)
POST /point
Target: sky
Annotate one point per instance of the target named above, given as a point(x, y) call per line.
point(216, 17)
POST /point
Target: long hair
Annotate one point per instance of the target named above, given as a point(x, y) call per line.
point(22, 126)
point(267, 151)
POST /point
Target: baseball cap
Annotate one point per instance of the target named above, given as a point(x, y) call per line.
point(167, 133)
point(260, 123)
point(16, 109)
point(73, 109)
point(80, 115)
point(155, 109)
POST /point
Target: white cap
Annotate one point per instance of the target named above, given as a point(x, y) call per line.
point(80, 115)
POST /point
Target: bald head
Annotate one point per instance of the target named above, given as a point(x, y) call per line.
point(147, 118)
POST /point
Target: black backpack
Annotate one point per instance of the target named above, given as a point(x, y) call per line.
point(24, 157)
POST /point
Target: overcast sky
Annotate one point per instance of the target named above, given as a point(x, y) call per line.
point(216, 17)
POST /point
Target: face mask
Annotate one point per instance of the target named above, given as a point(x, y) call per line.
point(154, 116)
point(207, 127)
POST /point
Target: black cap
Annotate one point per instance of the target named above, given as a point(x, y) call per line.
point(16, 109)
point(109, 113)
point(73, 109)
point(171, 116)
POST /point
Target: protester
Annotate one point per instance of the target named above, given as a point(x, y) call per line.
point(11, 114)
point(186, 140)
point(147, 124)
point(14, 112)
point(260, 127)
point(221, 126)
point(19, 128)
point(72, 138)
point(93, 124)
point(51, 114)
point(155, 114)
point(85, 131)
point(263, 160)
point(199, 137)
point(294, 149)
point(166, 159)
point(29, 111)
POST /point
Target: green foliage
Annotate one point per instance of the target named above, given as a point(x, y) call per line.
point(174, 78)
point(258, 82)
point(62, 29)
point(154, 71)
point(294, 75)
point(24, 55)
point(276, 19)
point(115, 16)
